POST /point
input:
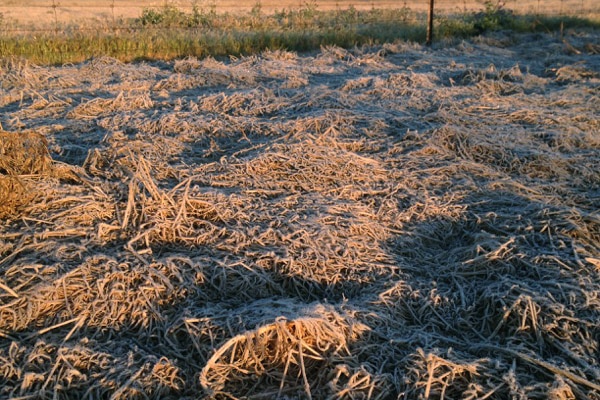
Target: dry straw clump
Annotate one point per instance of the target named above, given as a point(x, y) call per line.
point(22, 154)
point(281, 358)
point(377, 223)
point(13, 193)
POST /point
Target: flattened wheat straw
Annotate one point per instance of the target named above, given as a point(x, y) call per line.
point(379, 222)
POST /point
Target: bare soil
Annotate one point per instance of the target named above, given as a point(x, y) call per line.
point(45, 12)
point(381, 223)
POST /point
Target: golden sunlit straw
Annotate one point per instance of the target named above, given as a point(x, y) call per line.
point(373, 222)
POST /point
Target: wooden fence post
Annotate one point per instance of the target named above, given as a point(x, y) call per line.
point(430, 24)
point(54, 7)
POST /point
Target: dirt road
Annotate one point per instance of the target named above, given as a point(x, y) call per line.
point(39, 12)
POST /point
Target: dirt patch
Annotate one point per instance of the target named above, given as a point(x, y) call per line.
point(393, 221)
point(47, 13)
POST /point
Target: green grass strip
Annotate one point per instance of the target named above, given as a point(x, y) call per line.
point(167, 33)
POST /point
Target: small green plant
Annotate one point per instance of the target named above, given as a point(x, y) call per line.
point(450, 27)
point(309, 9)
point(348, 16)
point(493, 18)
point(168, 15)
point(256, 10)
point(150, 16)
point(202, 17)
point(256, 15)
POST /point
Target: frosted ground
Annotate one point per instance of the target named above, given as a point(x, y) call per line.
point(383, 222)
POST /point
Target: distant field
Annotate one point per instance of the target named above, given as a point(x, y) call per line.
point(42, 11)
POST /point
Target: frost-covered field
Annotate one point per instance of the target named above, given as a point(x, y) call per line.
point(387, 222)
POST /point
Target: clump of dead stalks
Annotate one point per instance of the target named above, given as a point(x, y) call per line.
point(22, 155)
point(282, 358)
point(13, 193)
